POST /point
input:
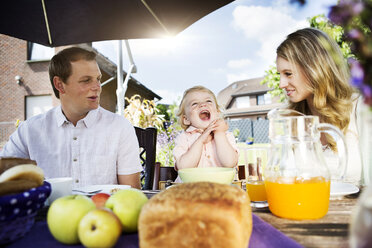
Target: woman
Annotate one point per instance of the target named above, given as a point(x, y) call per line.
point(315, 77)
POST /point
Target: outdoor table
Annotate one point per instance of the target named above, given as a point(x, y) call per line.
point(268, 230)
point(330, 231)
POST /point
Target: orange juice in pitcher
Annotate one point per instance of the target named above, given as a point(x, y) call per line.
point(298, 199)
point(297, 178)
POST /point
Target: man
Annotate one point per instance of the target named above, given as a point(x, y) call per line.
point(79, 139)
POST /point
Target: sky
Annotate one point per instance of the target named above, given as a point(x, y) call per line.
point(236, 42)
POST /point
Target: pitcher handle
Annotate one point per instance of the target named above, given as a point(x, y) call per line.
point(338, 136)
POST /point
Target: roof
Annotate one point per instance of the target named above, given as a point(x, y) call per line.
point(241, 88)
point(244, 88)
point(111, 69)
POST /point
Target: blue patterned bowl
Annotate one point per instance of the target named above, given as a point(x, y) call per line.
point(18, 211)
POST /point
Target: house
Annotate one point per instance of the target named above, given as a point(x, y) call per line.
point(25, 88)
point(246, 104)
point(247, 99)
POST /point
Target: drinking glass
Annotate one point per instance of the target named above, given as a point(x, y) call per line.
point(255, 161)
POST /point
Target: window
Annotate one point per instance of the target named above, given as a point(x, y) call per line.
point(243, 102)
point(37, 105)
point(39, 52)
point(267, 98)
point(263, 99)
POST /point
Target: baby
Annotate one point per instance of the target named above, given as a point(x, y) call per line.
point(205, 141)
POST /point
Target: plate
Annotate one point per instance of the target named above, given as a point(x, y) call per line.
point(340, 189)
point(107, 188)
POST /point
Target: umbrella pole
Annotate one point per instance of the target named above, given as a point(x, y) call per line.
point(120, 91)
point(122, 87)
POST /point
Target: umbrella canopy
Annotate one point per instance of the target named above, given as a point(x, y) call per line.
point(65, 22)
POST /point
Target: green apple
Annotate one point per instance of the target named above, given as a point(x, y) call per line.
point(99, 228)
point(64, 216)
point(127, 205)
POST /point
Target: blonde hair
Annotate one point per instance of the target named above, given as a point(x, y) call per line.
point(181, 109)
point(320, 60)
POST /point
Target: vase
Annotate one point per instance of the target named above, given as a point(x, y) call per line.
point(365, 141)
point(361, 221)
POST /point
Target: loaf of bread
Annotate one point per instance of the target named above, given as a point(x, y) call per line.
point(198, 215)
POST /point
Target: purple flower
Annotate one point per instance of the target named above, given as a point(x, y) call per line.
point(340, 14)
point(355, 16)
point(354, 34)
point(357, 8)
point(357, 73)
point(165, 145)
point(367, 92)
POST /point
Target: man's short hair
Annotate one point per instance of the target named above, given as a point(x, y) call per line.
point(60, 65)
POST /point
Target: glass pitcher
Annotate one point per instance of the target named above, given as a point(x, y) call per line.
point(297, 178)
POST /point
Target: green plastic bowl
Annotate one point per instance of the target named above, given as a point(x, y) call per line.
point(207, 174)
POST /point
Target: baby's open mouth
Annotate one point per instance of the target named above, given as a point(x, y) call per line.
point(205, 115)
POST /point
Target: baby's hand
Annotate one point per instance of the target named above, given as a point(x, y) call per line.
point(207, 135)
point(221, 126)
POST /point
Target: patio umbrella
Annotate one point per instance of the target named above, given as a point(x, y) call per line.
point(64, 22)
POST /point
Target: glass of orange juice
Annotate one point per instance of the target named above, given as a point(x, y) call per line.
point(256, 158)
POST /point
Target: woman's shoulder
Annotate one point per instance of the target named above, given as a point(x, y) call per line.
point(356, 98)
point(357, 101)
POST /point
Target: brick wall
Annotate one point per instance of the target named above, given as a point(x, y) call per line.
point(13, 62)
point(35, 81)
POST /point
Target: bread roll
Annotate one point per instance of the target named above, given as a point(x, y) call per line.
point(197, 215)
point(24, 171)
point(16, 186)
point(9, 162)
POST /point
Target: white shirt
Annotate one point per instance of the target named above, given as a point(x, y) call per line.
point(354, 163)
point(100, 147)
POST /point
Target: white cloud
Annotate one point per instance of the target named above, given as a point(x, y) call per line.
point(282, 6)
point(162, 47)
point(240, 63)
point(216, 71)
point(169, 96)
point(267, 26)
point(233, 77)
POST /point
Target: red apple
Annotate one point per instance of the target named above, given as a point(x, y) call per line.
point(100, 199)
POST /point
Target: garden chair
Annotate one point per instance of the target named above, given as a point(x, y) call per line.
point(147, 143)
point(163, 174)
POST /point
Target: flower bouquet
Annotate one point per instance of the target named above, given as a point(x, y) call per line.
point(355, 16)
